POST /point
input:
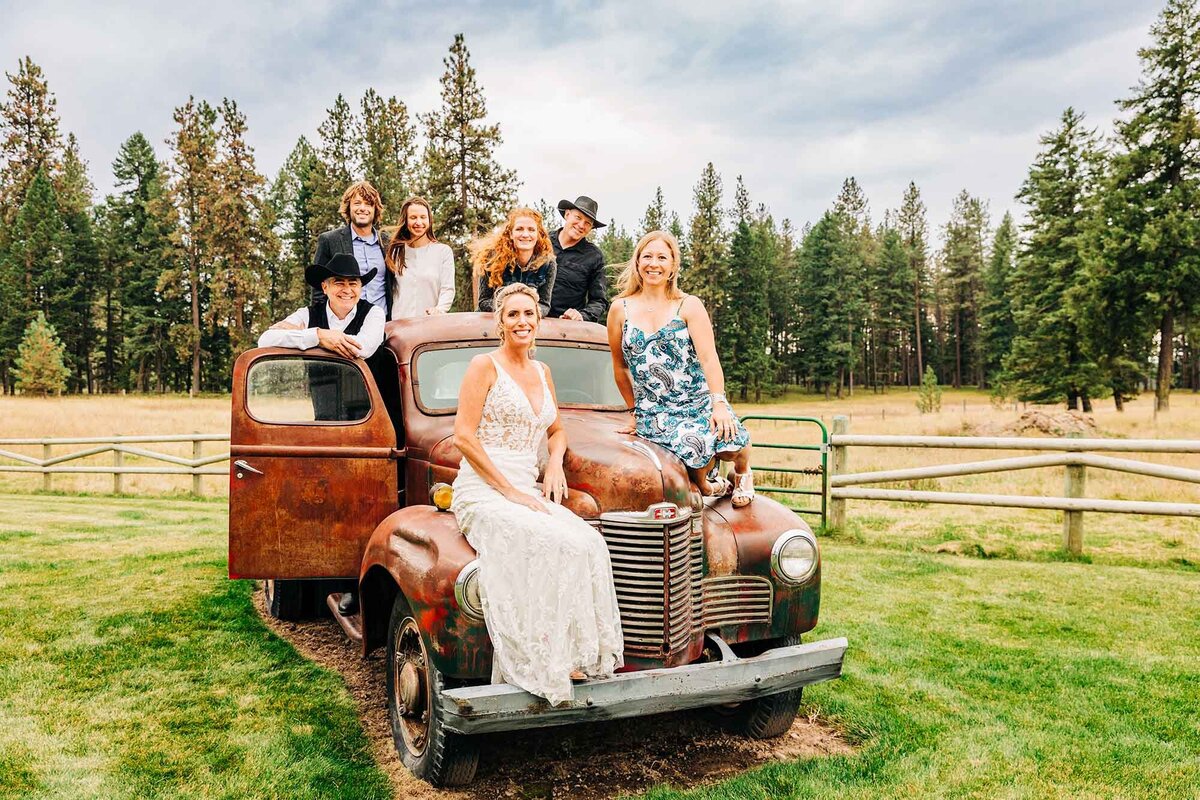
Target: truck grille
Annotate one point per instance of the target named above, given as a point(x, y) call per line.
point(657, 566)
point(736, 600)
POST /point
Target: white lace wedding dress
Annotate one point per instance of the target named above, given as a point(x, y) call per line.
point(546, 580)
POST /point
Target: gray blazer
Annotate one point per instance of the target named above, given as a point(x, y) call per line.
point(341, 240)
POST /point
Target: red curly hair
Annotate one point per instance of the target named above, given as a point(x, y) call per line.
point(493, 253)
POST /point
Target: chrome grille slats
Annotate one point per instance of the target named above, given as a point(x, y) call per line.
point(656, 578)
point(736, 600)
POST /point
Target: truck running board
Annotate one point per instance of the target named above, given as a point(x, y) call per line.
point(501, 707)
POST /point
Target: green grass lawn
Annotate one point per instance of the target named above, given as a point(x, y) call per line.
point(130, 667)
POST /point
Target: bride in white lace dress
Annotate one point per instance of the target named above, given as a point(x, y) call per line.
point(545, 577)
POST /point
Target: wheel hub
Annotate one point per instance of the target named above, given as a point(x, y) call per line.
point(412, 692)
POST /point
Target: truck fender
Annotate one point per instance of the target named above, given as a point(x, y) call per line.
point(418, 552)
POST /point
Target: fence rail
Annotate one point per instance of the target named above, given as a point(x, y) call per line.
point(50, 464)
point(1073, 453)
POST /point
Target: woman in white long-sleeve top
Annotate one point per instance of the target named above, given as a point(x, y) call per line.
point(423, 266)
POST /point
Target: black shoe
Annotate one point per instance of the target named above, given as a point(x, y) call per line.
point(348, 604)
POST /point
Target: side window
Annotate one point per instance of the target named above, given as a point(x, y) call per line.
point(299, 390)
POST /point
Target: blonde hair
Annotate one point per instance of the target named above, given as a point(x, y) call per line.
point(368, 193)
point(494, 252)
point(629, 282)
point(506, 294)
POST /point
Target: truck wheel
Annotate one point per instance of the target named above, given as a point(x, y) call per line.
point(414, 687)
point(286, 600)
point(764, 717)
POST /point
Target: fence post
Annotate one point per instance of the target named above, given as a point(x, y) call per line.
point(47, 477)
point(197, 489)
point(118, 477)
point(1076, 485)
point(838, 464)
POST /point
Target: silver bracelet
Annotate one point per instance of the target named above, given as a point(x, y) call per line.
point(719, 396)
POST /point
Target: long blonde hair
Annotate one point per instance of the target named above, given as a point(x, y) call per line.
point(494, 252)
point(629, 282)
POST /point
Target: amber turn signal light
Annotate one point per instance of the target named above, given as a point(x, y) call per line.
point(441, 495)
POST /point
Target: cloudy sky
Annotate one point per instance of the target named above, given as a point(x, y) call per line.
point(613, 98)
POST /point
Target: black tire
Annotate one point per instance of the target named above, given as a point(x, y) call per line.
point(430, 752)
point(287, 600)
point(763, 717)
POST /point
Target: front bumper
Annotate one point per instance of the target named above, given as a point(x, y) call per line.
point(501, 707)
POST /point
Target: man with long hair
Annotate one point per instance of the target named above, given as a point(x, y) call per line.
point(362, 209)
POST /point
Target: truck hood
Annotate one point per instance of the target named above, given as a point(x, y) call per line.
point(618, 472)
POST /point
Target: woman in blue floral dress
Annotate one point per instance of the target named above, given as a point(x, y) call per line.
point(666, 365)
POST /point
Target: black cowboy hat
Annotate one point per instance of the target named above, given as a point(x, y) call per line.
point(343, 265)
point(584, 205)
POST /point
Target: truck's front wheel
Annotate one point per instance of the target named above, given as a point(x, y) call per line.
point(414, 687)
point(764, 717)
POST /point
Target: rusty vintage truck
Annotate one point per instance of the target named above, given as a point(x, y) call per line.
point(332, 467)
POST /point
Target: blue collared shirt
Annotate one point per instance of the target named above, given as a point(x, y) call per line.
point(369, 255)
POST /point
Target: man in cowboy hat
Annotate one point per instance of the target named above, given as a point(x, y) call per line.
point(579, 287)
point(344, 323)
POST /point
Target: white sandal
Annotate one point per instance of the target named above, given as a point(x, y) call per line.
point(743, 489)
point(720, 485)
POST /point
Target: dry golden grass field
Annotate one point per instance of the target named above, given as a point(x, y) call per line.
point(991, 532)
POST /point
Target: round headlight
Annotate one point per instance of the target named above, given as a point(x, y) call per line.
point(794, 556)
point(466, 591)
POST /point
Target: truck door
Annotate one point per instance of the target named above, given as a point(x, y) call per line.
point(312, 465)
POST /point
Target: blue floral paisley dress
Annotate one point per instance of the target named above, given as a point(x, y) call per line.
point(672, 406)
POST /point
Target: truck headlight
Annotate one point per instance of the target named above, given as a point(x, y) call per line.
point(466, 591)
point(794, 556)
point(441, 495)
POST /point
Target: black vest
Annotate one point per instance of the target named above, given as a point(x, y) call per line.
point(318, 316)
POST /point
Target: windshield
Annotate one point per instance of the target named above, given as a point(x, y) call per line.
point(582, 376)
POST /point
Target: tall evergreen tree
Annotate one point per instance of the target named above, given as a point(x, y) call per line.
point(824, 347)
point(77, 295)
point(655, 218)
point(963, 256)
point(140, 233)
point(1050, 361)
point(914, 229)
point(291, 199)
point(194, 146)
point(338, 164)
point(855, 259)
point(388, 141)
point(890, 305)
point(29, 137)
point(35, 275)
point(996, 315)
point(1150, 212)
point(705, 276)
point(467, 187)
point(242, 239)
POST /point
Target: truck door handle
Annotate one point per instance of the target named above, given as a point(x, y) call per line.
point(242, 465)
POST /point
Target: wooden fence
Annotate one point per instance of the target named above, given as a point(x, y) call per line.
point(1074, 454)
point(51, 464)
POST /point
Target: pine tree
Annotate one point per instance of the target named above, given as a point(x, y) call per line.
point(824, 346)
point(388, 142)
point(36, 275)
point(742, 337)
point(72, 305)
point(855, 258)
point(194, 145)
point(243, 241)
point(1050, 361)
point(996, 315)
point(890, 303)
point(1151, 208)
point(913, 229)
point(468, 189)
point(655, 218)
point(29, 137)
point(784, 314)
point(616, 244)
point(963, 256)
point(929, 395)
point(40, 369)
point(291, 199)
point(706, 274)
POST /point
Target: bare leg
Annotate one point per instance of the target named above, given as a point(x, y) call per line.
point(700, 478)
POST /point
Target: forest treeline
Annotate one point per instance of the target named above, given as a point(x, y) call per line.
point(1093, 293)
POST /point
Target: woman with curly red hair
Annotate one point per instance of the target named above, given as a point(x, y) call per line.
point(519, 251)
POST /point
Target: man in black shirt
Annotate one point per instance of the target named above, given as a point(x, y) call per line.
point(580, 290)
